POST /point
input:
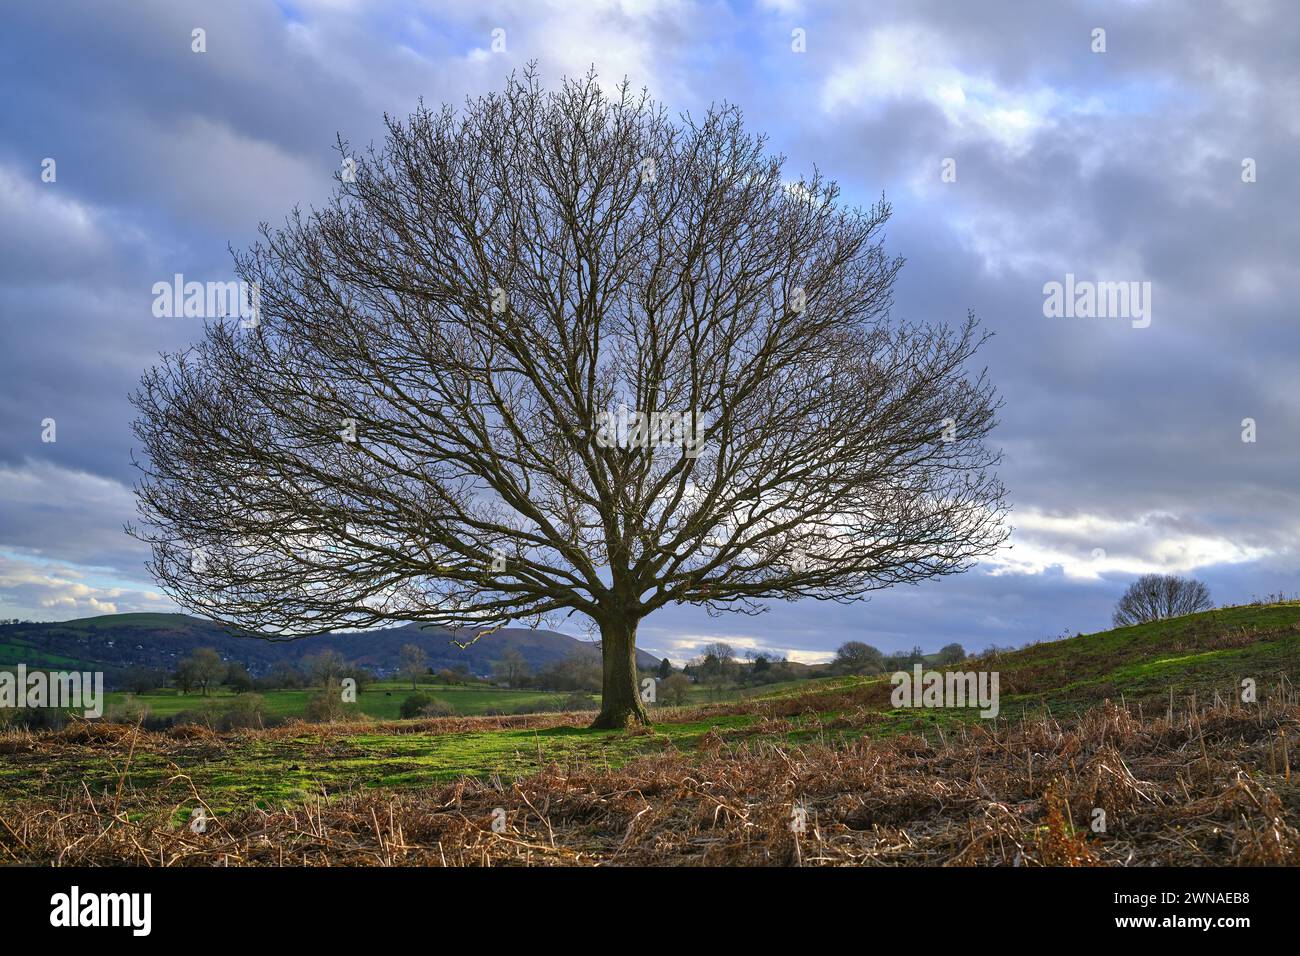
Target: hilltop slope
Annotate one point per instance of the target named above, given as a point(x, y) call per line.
point(1198, 656)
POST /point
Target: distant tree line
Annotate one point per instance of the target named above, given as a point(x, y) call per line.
point(204, 670)
point(857, 657)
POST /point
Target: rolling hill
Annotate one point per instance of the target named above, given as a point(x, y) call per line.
point(115, 642)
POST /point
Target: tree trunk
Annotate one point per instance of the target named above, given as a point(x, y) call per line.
point(620, 696)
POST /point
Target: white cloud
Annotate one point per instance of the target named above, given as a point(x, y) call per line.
point(617, 36)
point(786, 7)
point(911, 62)
point(33, 590)
point(1088, 546)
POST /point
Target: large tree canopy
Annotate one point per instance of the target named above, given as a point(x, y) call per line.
point(425, 422)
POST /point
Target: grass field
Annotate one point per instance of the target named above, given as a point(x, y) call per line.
point(1147, 722)
point(383, 699)
point(37, 658)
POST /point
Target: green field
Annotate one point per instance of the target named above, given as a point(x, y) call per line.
point(381, 699)
point(16, 649)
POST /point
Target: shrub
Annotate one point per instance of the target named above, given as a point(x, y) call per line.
point(674, 690)
point(437, 708)
point(247, 710)
point(130, 711)
point(36, 718)
point(206, 714)
point(327, 705)
point(414, 704)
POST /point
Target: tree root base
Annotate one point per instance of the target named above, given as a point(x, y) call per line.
point(619, 720)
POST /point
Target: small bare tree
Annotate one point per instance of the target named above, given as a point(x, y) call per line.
point(511, 668)
point(411, 663)
point(326, 667)
point(558, 353)
point(1154, 597)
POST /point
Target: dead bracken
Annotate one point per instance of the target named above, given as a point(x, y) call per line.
point(1209, 784)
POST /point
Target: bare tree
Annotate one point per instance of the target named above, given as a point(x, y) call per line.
point(724, 654)
point(324, 668)
point(185, 676)
point(1154, 597)
point(426, 423)
point(205, 668)
point(412, 663)
point(857, 657)
point(511, 668)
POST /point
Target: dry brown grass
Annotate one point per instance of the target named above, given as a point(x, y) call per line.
point(1214, 785)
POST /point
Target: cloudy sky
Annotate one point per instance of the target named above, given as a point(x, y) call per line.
point(1124, 448)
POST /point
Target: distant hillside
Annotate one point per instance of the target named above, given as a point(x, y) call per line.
point(115, 642)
